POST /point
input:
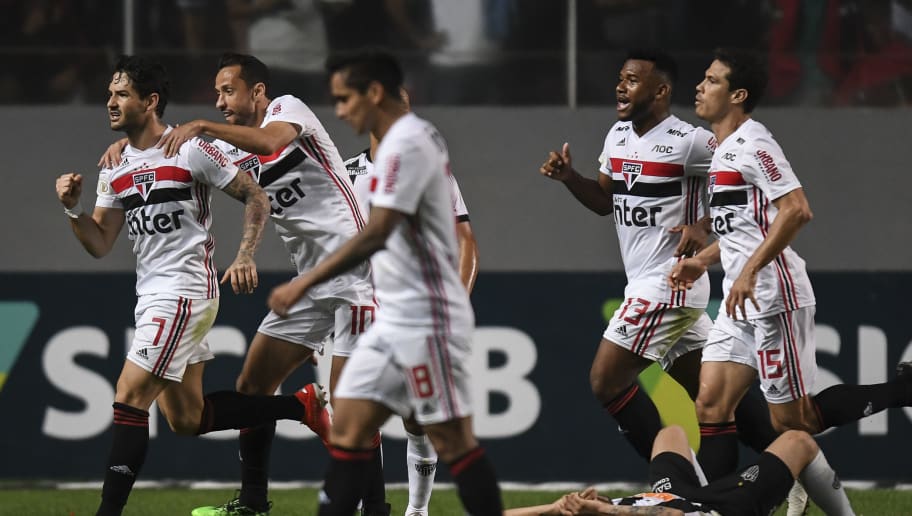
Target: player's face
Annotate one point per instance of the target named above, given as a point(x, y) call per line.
point(126, 110)
point(235, 100)
point(351, 106)
point(636, 89)
point(713, 98)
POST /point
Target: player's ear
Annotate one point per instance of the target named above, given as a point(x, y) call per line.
point(375, 92)
point(739, 96)
point(663, 91)
point(152, 102)
point(259, 90)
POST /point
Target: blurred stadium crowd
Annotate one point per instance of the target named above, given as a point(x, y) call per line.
point(504, 52)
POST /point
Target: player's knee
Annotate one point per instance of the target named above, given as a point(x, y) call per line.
point(247, 385)
point(184, 424)
point(802, 444)
point(605, 387)
point(785, 421)
point(711, 410)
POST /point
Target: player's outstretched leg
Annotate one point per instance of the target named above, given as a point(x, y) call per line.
point(841, 404)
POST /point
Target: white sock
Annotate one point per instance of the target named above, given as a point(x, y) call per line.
point(421, 460)
point(824, 487)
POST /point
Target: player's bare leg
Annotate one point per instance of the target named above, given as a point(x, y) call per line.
point(613, 379)
point(470, 468)
point(722, 385)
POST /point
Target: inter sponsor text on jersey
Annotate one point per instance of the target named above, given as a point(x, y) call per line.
point(312, 203)
point(415, 275)
point(360, 170)
point(658, 182)
point(749, 171)
point(166, 207)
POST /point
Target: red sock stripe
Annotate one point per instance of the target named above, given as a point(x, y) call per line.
point(715, 429)
point(122, 417)
point(465, 461)
point(619, 402)
point(350, 455)
point(244, 431)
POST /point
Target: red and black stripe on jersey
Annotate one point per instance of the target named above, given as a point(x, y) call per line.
point(281, 167)
point(156, 195)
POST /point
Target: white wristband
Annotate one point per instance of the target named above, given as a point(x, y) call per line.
point(74, 212)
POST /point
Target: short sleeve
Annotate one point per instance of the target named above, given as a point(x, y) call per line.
point(403, 174)
point(766, 167)
point(459, 206)
point(207, 164)
point(292, 110)
point(105, 191)
point(605, 156)
point(699, 155)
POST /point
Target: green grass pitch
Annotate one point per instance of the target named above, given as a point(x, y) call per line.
point(302, 502)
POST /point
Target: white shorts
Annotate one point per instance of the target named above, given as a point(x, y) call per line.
point(343, 315)
point(171, 334)
point(780, 347)
point(411, 371)
point(658, 331)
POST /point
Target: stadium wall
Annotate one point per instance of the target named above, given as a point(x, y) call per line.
point(852, 162)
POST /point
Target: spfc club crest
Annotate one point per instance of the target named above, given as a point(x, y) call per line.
point(251, 165)
point(143, 182)
point(631, 172)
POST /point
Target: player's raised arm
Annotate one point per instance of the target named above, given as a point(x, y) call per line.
point(258, 140)
point(591, 193)
point(242, 272)
point(97, 232)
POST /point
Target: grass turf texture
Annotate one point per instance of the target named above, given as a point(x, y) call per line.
point(302, 502)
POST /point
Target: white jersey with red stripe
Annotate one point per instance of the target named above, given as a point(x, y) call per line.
point(415, 275)
point(749, 171)
point(166, 209)
point(361, 169)
point(658, 182)
point(313, 206)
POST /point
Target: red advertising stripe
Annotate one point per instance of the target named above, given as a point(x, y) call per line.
point(727, 177)
point(168, 173)
point(649, 168)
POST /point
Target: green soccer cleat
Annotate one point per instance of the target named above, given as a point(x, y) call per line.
point(232, 508)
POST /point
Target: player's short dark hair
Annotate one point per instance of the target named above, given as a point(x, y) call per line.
point(252, 69)
point(147, 77)
point(661, 61)
point(747, 70)
point(366, 66)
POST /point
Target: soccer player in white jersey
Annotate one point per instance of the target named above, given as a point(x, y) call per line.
point(412, 361)
point(767, 328)
point(677, 491)
point(652, 178)
point(421, 460)
point(282, 145)
point(164, 202)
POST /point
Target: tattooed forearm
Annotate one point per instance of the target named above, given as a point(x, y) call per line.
point(244, 189)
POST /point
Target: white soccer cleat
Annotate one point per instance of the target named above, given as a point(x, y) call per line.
point(798, 502)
